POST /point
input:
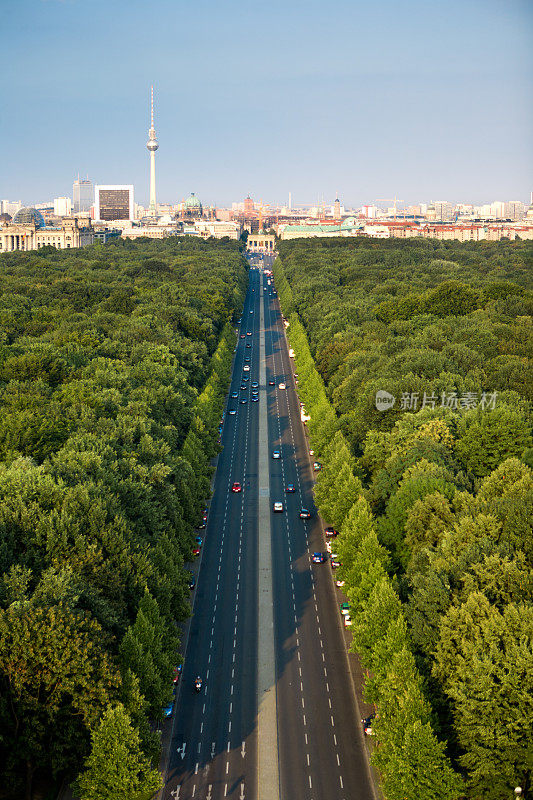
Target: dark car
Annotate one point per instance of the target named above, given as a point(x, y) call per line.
point(331, 532)
point(290, 488)
point(192, 582)
point(255, 399)
point(255, 385)
point(367, 724)
point(319, 558)
point(317, 466)
point(305, 513)
point(243, 400)
point(247, 343)
point(198, 541)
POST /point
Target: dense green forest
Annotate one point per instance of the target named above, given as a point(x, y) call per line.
point(433, 495)
point(114, 366)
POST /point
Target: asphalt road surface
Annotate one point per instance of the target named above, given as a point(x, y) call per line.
point(314, 745)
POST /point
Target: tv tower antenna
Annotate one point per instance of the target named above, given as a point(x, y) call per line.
point(152, 144)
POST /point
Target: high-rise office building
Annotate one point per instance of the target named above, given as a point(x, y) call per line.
point(113, 202)
point(82, 195)
point(62, 206)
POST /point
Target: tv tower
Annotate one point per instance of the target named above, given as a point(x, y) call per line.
point(152, 144)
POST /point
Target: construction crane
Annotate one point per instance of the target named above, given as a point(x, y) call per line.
point(389, 200)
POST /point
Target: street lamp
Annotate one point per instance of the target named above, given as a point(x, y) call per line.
point(518, 791)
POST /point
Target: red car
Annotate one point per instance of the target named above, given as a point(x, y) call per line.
point(236, 487)
point(331, 532)
point(196, 550)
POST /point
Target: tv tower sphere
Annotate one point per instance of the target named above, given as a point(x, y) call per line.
point(152, 144)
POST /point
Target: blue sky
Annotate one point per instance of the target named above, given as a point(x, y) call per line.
point(425, 99)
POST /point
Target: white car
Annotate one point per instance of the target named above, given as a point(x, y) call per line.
point(246, 368)
point(278, 506)
point(282, 386)
point(276, 454)
point(347, 620)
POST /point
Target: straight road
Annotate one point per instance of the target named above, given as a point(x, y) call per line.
point(214, 751)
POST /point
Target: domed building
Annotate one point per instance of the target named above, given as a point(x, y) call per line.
point(192, 207)
point(5, 218)
point(29, 216)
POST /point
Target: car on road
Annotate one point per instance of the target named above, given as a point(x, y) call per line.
point(234, 394)
point(252, 311)
point(305, 513)
point(248, 333)
point(177, 671)
point(192, 581)
point(255, 398)
point(247, 343)
point(290, 488)
point(243, 400)
point(272, 383)
point(168, 709)
point(236, 487)
point(345, 608)
point(334, 562)
point(347, 620)
point(331, 532)
point(276, 454)
point(246, 368)
point(232, 411)
point(329, 547)
point(281, 385)
point(247, 359)
point(317, 466)
point(367, 724)
point(242, 335)
point(198, 541)
point(243, 386)
point(255, 385)
point(278, 506)
point(196, 550)
point(339, 583)
point(319, 558)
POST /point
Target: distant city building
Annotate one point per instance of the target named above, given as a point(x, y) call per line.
point(82, 195)
point(62, 206)
point(10, 207)
point(28, 231)
point(192, 207)
point(443, 210)
point(337, 209)
point(515, 210)
point(248, 206)
point(113, 202)
point(205, 229)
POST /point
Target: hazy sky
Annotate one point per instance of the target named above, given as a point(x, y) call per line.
point(425, 99)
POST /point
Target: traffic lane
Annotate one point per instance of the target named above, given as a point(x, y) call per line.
point(314, 657)
point(201, 620)
point(337, 680)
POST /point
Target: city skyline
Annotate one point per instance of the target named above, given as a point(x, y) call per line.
point(418, 106)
